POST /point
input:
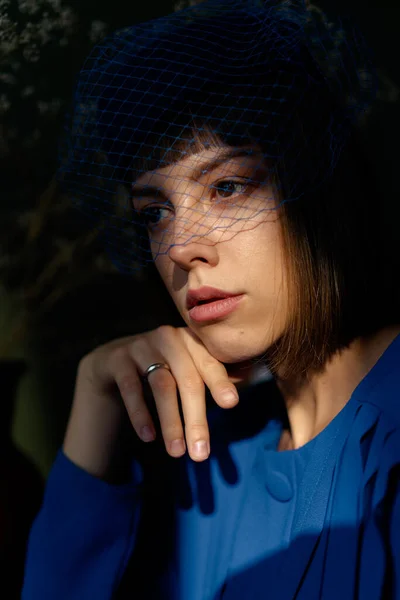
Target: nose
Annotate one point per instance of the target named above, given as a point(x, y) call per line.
point(196, 226)
point(189, 254)
point(193, 233)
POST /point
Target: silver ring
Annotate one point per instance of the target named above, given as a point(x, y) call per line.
point(155, 366)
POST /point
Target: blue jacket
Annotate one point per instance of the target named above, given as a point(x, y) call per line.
point(249, 523)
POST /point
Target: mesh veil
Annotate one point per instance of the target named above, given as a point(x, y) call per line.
point(155, 103)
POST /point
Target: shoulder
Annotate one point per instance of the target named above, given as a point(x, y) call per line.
point(375, 433)
point(377, 428)
point(377, 439)
point(380, 389)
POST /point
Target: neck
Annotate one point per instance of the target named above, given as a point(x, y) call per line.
point(315, 400)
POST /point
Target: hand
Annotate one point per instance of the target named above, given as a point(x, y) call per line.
point(112, 372)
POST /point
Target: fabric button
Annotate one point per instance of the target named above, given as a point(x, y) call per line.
point(278, 485)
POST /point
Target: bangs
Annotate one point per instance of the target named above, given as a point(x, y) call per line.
point(180, 141)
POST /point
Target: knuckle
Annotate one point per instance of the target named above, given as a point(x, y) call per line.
point(198, 429)
point(127, 383)
point(209, 363)
point(139, 343)
point(164, 333)
point(162, 381)
point(137, 414)
point(165, 329)
point(173, 431)
point(85, 361)
point(117, 354)
point(192, 382)
point(87, 367)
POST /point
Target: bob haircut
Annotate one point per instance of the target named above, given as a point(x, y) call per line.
point(341, 262)
point(339, 257)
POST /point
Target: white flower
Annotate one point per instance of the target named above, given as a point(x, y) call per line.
point(67, 18)
point(97, 31)
point(8, 78)
point(29, 34)
point(45, 29)
point(58, 23)
point(28, 91)
point(52, 107)
point(8, 45)
point(28, 7)
point(8, 35)
point(31, 53)
point(55, 5)
point(4, 4)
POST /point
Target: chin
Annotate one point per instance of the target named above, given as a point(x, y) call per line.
point(234, 348)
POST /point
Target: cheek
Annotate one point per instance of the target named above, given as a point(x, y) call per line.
point(260, 253)
point(164, 267)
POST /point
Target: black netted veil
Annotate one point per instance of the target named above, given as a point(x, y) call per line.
point(271, 77)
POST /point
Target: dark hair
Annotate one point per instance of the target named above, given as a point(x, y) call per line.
point(334, 234)
point(341, 258)
point(339, 255)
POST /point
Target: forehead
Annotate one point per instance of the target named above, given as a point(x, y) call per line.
point(194, 165)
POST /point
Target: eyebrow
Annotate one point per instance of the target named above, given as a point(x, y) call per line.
point(146, 191)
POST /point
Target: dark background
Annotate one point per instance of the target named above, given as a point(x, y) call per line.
point(93, 303)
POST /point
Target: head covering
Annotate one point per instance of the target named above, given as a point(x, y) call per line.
point(272, 79)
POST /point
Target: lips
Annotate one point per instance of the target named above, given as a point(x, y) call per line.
point(207, 294)
point(215, 310)
point(206, 301)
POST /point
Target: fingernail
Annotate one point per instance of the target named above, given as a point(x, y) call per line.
point(147, 434)
point(200, 449)
point(229, 396)
point(177, 447)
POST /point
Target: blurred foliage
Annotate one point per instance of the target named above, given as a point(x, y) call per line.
point(43, 44)
point(44, 255)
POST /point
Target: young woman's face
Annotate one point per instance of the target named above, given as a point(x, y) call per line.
point(213, 228)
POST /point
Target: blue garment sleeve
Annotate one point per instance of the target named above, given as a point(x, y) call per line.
point(394, 536)
point(395, 542)
point(83, 536)
point(380, 555)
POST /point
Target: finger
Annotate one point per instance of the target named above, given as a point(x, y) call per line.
point(163, 387)
point(212, 372)
point(191, 390)
point(130, 387)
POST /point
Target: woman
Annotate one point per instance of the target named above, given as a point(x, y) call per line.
point(247, 183)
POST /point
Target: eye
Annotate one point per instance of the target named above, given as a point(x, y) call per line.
point(150, 218)
point(228, 184)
